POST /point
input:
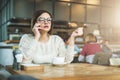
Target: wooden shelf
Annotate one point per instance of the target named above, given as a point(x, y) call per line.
point(11, 41)
point(19, 22)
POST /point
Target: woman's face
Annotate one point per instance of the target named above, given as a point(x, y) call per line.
point(44, 21)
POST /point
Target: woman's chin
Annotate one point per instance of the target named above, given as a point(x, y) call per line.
point(46, 30)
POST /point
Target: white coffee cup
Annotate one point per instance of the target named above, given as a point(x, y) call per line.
point(58, 60)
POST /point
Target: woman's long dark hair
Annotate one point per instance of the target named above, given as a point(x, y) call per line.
point(36, 15)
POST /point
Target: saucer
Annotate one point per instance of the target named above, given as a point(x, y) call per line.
point(59, 64)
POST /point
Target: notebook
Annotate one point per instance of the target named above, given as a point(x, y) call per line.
point(28, 67)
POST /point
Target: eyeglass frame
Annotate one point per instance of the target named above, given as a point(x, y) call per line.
point(41, 19)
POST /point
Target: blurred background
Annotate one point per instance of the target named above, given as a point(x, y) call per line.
point(100, 17)
point(94, 15)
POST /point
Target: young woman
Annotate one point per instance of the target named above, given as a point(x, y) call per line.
point(90, 48)
point(41, 46)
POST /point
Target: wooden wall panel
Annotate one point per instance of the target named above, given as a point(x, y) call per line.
point(78, 13)
point(93, 14)
point(61, 11)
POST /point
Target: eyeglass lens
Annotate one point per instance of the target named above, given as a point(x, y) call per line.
point(41, 19)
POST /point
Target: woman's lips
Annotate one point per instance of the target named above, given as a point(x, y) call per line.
point(45, 26)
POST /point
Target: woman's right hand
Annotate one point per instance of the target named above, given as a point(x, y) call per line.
point(36, 31)
point(77, 32)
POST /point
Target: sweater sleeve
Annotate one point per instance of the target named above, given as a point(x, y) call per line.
point(27, 45)
point(68, 52)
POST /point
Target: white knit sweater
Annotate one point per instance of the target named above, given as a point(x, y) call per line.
point(39, 52)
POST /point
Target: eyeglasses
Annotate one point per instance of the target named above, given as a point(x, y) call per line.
point(41, 19)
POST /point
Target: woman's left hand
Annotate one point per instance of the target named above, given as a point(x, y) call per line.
point(77, 32)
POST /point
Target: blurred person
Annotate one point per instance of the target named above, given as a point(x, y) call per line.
point(90, 48)
point(76, 49)
point(105, 46)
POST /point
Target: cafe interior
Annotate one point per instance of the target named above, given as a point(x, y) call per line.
point(100, 17)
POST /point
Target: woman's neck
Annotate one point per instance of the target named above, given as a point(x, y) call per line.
point(44, 37)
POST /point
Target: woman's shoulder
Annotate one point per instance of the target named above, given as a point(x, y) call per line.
point(28, 36)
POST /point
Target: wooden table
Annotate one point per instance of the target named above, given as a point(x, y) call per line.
point(73, 71)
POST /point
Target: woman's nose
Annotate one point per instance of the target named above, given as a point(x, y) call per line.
point(45, 21)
